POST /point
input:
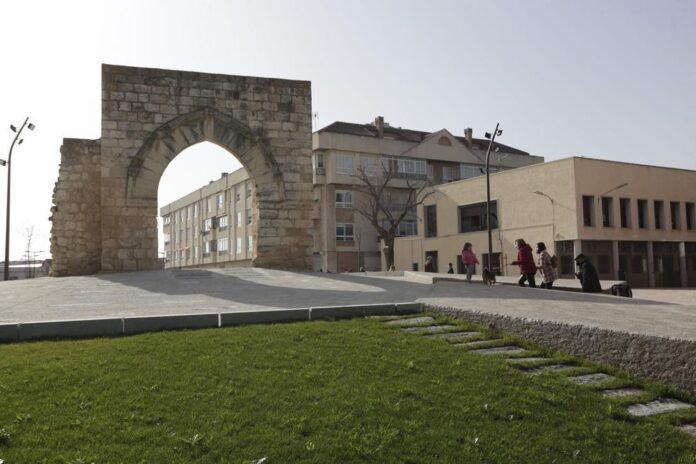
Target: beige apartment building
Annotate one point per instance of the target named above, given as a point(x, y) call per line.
point(212, 226)
point(203, 228)
point(343, 239)
point(633, 221)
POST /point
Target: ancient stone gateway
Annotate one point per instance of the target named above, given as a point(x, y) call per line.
point(105, 200)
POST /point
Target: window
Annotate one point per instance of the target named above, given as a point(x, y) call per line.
point(247, 186)
point(239, 245)
point(431, 221)
point(206, 248)
point(344, 164)
point(239, 218)
point(675, 215)
point(223, 245)
point(412, 167)
point(444, 141)
point(430, 172)
point(472, 218)
point(588, 210)
point(237, 194)
point(207, 225)
point(221, 200)
point(166, 220)
point(691, 216)
point(625, 212)
point(222, 222)
point(607, 212)
point(250, 217)
point(195, 210)
point(344, 232)
point(369, 165)
point(447, 174)
point(467, 171)
point(405, 227)
point(344, 198)
point(195, 252)
point(642, 214)
point(209, 202)
point(166, 238)
point(250, 243)
point(659, 212)
point(188, 213)
point(318, 160)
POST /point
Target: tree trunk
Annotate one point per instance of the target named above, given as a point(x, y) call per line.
point(389, 251)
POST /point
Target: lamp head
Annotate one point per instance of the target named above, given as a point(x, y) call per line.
point(20, 141)
point(500, 132)
point(3, 162)
point(13, 128)
point(488, 135)
point(31, 126)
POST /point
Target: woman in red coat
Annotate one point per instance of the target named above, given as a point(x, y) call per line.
point(525, 260)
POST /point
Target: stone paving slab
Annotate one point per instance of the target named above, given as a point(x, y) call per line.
point(526, 360)
point(454, 337)
point(430, 329)
point(688, 429)
point(622, 392)
point(660, 406)
point(480, 343)
point(591, 379)
point(550, 368)
point(509, 349)
point(412, 321)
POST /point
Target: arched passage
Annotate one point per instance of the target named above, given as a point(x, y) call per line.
point(148, 117)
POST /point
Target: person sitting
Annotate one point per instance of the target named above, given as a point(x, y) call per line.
point(587, 274)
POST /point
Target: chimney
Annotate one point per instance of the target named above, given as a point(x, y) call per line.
point(379, 124)
point(469, 136)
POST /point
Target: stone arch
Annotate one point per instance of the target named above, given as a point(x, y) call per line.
point(104, 218)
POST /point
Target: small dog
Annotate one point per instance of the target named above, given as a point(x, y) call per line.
point(488, 277)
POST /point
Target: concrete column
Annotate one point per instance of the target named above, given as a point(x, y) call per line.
point(615, 258)
point(651, 265)
point(577, 249)
point(682, 264)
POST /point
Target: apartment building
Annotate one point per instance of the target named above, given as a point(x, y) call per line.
point(344, 240)
point(212, 226)
point(634, 222)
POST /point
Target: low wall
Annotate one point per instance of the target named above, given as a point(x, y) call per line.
point(668, 360)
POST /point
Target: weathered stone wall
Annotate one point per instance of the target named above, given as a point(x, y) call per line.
point(149, 116)
point(668, 360)
point(76, 228)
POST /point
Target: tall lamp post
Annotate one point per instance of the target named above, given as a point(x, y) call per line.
point(599, 200)
point(553, 217)
point(491, 138)
point(17, 141)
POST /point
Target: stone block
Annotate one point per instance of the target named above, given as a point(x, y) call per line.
point(343, 312)
point(430, 329)
point(133, 325)
point(621, 392)
point(659, 406)
point(70, 329)
point(9, 333)
point(410, 322)
point(264, 316)
point(591, 379)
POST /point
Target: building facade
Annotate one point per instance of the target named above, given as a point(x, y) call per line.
point(343, 239)
point(213, 226)
point(634, 222)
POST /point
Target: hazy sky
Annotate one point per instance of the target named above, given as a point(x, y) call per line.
point(610, 79)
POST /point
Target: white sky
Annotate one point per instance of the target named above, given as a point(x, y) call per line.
point(596, 78)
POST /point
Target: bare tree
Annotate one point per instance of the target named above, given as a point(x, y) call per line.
point(385, 205)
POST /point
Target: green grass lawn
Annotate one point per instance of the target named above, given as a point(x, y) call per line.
point(321, 392)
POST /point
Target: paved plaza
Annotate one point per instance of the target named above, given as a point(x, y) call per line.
point(245, 289)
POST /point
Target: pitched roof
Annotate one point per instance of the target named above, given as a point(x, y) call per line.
point(408, 135)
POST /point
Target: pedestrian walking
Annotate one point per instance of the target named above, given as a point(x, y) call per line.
point(587, 274)
point(469, 260)
point(545, 266)
point(525, 261)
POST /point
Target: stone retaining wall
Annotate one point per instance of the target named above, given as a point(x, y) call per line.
point(671, 361)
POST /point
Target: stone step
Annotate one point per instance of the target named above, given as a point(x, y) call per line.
point(479, 343)
point(659, 406)
point(498, 350)
point(384, 318)
point(526, 360)
point(412, 321)
point(622, 392)
point(550, 368)
point(453, 337)
point(591, 379)
point(689, 429)
point(430, 329)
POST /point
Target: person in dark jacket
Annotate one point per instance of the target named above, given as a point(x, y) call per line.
point(525, 261)
point(588, 275)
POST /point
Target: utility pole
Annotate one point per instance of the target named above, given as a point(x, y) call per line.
point(488, 194)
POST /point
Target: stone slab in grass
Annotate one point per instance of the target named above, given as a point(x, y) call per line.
point(500, 350)
point(456, 336)
point(688, 429)
point(622, 392)
point(659, 406)
point(480, 343)
point(526, 360)
point(591, 379)
point(411, 321)
point(550, 368)
point(430, 329)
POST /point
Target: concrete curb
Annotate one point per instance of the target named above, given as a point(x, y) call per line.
point(89, 328)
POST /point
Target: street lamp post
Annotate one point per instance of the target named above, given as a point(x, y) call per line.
point(599, 199)
point(30, 126)
point(553, 217)
point(488, 193)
